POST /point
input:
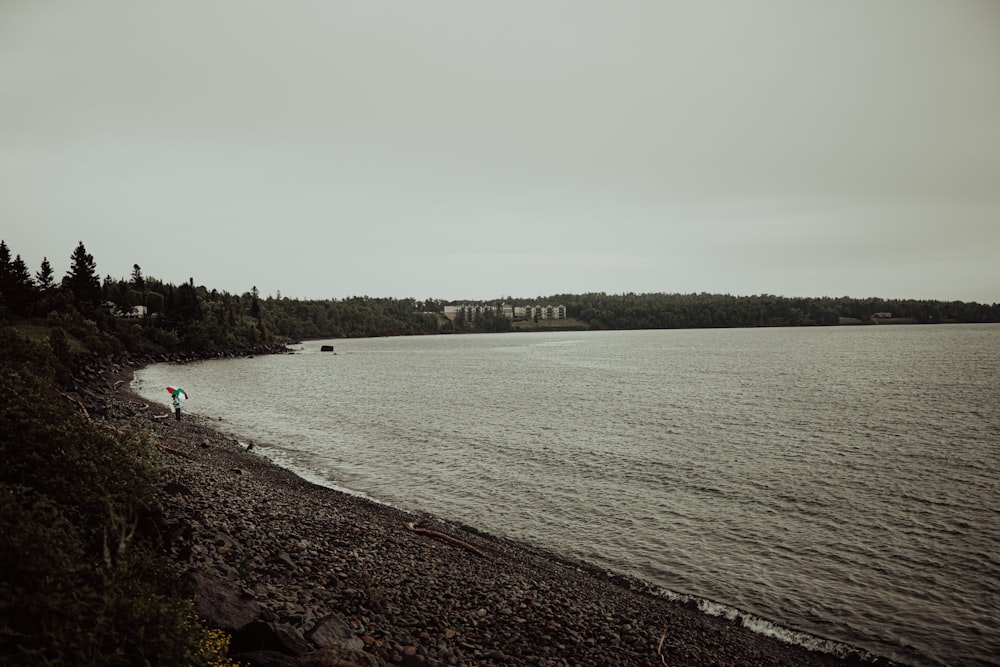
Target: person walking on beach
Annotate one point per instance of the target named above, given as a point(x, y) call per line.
point(177, 393)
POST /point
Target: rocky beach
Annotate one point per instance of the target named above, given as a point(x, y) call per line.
point(304, 575)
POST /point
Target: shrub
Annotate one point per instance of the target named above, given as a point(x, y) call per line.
point(97, 476)
point(59, 606)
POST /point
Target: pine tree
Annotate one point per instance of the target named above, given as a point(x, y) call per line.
point(6, 279)
point(6, 270)
point(137, 280)
point(22, 289)
point(186, 304)
point(255, 304)
point(15, 282)
point(81, 280)
point(43, 277)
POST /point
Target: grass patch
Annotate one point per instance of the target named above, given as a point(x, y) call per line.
point(40, 334)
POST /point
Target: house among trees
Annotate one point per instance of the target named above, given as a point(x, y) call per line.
point(126, 312)
point(134, 312)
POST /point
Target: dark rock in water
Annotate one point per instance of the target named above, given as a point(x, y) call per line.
point(326, 348)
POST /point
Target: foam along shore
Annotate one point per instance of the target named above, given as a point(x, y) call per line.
point(303, 574)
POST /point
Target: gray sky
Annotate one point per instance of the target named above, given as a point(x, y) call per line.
point(472, 150)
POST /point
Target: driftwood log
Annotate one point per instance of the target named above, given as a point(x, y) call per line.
point(420, 530)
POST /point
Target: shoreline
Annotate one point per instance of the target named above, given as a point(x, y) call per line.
point(291, 568)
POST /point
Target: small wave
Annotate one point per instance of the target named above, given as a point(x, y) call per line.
point(271, 453)
point(752, 622)
point(762, 626)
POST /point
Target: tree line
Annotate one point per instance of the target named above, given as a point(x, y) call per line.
point(686, 311)
point(143, 314)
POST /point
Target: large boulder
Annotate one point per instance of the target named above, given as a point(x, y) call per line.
point(219, 602)
point(334, 631)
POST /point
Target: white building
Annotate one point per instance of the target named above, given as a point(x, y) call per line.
point(536, 312)
point(545, 312)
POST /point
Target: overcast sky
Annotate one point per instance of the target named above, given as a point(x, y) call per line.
point(474, 150)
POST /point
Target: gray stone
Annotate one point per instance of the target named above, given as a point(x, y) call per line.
point(220, 603)
point(333, 631)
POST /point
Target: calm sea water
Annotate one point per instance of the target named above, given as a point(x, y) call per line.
point(835, 483)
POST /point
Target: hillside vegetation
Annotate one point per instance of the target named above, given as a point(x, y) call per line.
point(78, 586)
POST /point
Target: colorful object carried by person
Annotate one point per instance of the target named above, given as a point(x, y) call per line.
point(177, 392)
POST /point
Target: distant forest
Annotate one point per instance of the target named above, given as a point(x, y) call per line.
point(145, 315)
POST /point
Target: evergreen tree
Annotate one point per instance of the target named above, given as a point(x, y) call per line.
point(47, 295)
point(16, 285)
point(137, 280)
point(255, 304)
point(44, 276)
point(22, 289)
point(109, 290)
point(187, 307)
point(81, 280)
point(6, 269)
